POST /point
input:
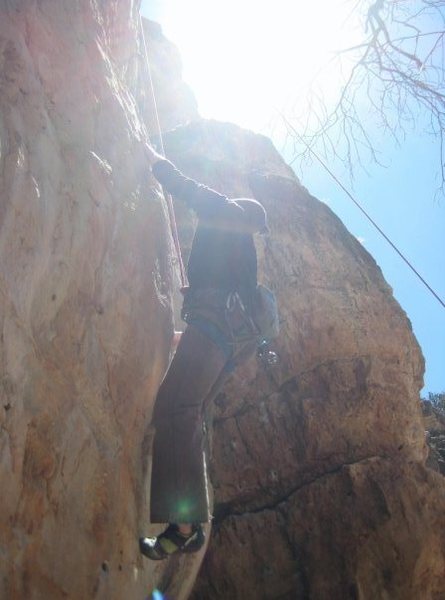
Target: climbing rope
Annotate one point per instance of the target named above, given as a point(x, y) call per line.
point(168, 198)
point(360, 207)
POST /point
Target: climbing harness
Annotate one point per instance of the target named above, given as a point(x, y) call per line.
point(222, 317)
point(168, 198)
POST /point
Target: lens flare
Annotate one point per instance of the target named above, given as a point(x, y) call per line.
point(184, 507)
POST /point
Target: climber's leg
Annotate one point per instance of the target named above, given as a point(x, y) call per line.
point(241, 353)
point(179, 481)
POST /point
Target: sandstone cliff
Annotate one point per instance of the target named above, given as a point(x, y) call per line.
point(85, 311)
point(318, 465)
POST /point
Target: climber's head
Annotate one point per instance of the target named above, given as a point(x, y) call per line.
point(255, 215)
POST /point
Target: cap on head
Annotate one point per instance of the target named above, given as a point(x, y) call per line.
point(255, 214)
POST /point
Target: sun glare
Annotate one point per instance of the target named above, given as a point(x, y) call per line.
point(244, 58)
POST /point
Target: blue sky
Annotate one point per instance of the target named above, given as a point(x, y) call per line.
point(401, 197)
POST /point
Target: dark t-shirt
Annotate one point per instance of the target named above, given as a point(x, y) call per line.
point(223, 260)
point(223, 256)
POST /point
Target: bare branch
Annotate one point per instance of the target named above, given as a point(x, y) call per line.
point(398, 74)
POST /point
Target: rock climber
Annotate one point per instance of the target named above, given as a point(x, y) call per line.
point(218, 308)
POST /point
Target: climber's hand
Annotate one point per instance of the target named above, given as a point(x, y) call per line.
point(166, 173)
point(151, 154)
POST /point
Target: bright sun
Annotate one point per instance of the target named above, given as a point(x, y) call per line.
point(244, 58)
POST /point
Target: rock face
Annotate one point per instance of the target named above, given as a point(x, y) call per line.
point(174, 102)
point(85, 310)
point(317, 468)
point(371, 529)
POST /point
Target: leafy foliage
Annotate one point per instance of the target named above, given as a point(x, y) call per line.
point(437, 400)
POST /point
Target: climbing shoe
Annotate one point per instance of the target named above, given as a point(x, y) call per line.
point(171, 541)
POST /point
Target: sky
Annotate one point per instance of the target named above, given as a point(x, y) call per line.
point(268, 54)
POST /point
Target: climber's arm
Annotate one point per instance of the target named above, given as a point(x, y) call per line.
point(202, 199)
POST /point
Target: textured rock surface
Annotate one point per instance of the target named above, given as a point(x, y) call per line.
point(370, 530)
point(85, 314)
point(175, 102)
point(319, 486)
